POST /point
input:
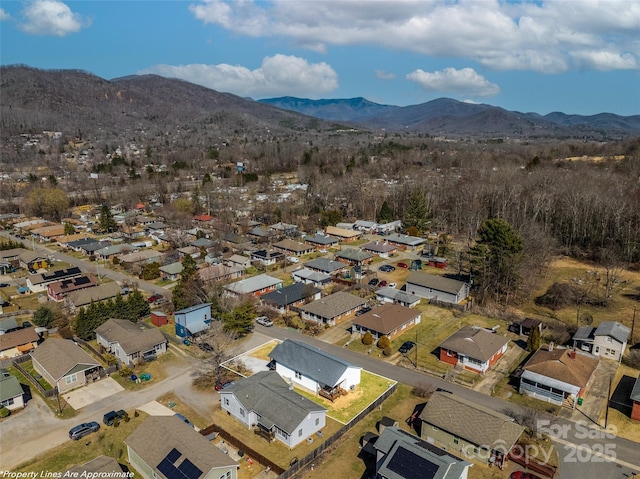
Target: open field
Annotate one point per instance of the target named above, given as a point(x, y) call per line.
point(623, 424)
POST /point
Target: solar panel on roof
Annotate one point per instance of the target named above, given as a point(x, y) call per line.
point(173, 455)
point(169, 471)
point(189, 469)
point(82, 280)
point(411, 466)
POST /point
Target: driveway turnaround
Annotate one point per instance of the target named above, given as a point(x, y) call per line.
point(92, 392)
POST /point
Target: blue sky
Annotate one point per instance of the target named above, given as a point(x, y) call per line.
point(575, 56)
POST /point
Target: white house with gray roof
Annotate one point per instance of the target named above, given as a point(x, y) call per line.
point(409, 243)
point(129, 342)
point(256, 285)
point(266, 403)
point(326, 266)
point(431, 286)
point(332, 308)
point(308, 276)
point(11, 393)
point(393, 295)
point(313, 369)
point(609, 340)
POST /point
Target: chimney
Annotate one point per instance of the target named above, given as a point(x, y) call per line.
point(550, 346)
point(572, 354)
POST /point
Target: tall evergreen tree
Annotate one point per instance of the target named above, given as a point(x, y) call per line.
point(107, 223)
point(385, 215)
point(416, 213)
point(533, 343)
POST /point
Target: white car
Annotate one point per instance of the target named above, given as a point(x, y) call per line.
point(392, 285)
point(264, 321)
point(293, 259)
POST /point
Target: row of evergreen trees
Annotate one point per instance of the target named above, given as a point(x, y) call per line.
point(91, 317)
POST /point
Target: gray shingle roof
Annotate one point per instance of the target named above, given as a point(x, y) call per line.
point(310, 275)
point(387, 318)
point(269, 395)
point(255, 283)
point(290, 294)
point(333, 305)
point(101, 464)
point(9, 387)
point(130, 336)
point(158, 435)
point(475, 343)
point(353, 254)
point(95, 293)
point(321, 240)
point(470, 421)
point(439, 283)
point(310, 361)
point(325, 265)
point(635, 392)
point(397, 295)
point(617, 331)
point(405, 239)
point(59, 356)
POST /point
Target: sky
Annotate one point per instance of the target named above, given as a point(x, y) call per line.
point(574, 56)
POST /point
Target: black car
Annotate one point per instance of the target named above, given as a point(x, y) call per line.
point(406, 347)
point(206, 347)
point(360, 312)
point(4, 285)
point(184, 419)
point(373, 282)
point(387, 268)
point(112, 416)
point(81, 430)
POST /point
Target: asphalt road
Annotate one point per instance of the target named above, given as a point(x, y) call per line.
point(92, 267)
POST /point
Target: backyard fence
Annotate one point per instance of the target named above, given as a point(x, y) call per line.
point(46, 393)
point(171, 338)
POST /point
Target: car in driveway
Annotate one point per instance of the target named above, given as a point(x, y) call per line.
point(264, 321)
point(373, 282)
point(363, 310)
point(4, 285)
point(523, 475)
point(403, 265)
point(184, 419)
point(112, 416)
point(406, 347)
point(387, 268)
point(382, 284)
point(81, 430)
point(154, 298)
point(392, 285)
point(206, 347)
point(293, 259)
point(224, 385)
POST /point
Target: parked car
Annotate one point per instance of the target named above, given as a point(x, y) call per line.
point(373, 281)
point(403, 265)
point(365, 309)
point(206, 347)
point(392, 285)
point(112, 416)
point(81, 430)
point(224, 385)
point(264, 321)
point(387, 268)
point(153, 298)
point(382, 284)
point(523, 475)
point(406, 347)
point(4, 285)
point(293, 259)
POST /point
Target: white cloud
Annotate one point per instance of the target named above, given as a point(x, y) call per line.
point(605, 60)
point(51, 17)
point(539, 36)
point(383, 75)
point(4, 15)
point(465, 81)
point(278, 75)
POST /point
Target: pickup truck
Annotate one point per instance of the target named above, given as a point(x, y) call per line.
point(112, 416)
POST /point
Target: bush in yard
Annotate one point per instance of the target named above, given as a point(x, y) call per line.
point(367, 339)
point(384, 343)
point(4, 412)
point(423, 390)
point(387, 352)
point(126, 372)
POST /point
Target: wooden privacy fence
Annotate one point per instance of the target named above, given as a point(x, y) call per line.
point(46, 393)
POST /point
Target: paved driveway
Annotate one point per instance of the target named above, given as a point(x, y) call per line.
point(92, 393)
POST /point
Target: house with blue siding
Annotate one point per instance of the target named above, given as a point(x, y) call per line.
point(193, 320)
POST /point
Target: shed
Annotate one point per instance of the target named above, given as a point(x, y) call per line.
point(158, 318)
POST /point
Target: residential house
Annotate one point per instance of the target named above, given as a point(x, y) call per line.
point(406, 242)
point(189, 251)
point(101, 466)
point(313, 369)
point(32, 260)
point(292, 296)
point(256, 285)
point(266, 403)
point(401, 455)
point(38, 283)
point(557, 375)
point(238, 260)
point(608, 340)
point(475, 349)
point(635, 399)
point(285, 229)
point(11, 392)
point(75, 244)
point(293, 248)
point(108, 252)
point(48, 233)
point(343, 234)
point(380, 248)
point(321, 241)
point(89, 249)
point(165, 447)
point(388, 228)
point(171, 271)
point(220, 272)
point(142, 257)
point(469, 430)
point(267, 257)
point(315, 278)
point(10, 259)
point(439, 288)
point(84, 297)
point(203, 243)
point(393, 295)
point(389, 320)
point(18, 342)
point(64, 364)
point(354, 257)
point(129, 342)
point(326, 266)
point(60, 289)
point(8, 325)
point(193, 320)
point(525, 326)
point(333, 308)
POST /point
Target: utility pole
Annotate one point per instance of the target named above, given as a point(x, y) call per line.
point(633, 325)
point(606, 406)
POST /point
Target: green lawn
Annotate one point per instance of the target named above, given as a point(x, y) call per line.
point(347, 407)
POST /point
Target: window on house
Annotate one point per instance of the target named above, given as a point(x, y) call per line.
point(298, 375)
point(71, 379)
point(456, 440)
point(226, 401)
point(9, 402)
point(317, 421)
point(299, 432)
point(242, 412)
